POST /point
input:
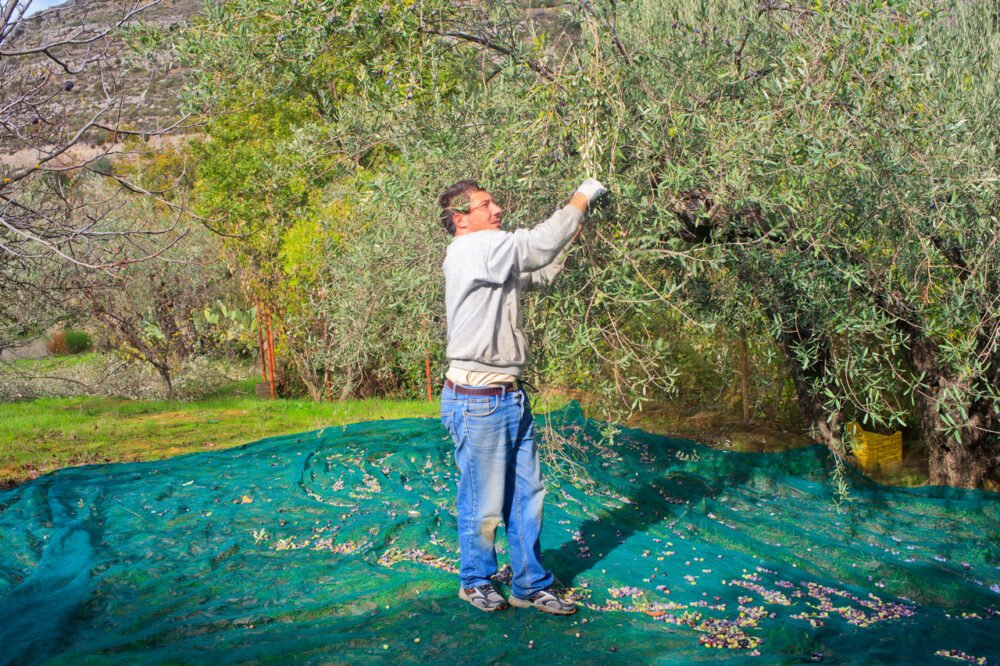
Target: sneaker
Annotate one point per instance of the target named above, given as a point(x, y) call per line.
point(545, 601)
point(484, 597)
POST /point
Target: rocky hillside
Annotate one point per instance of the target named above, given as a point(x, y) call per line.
point(145, 91)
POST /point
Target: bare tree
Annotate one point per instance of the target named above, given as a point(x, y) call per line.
point(52, 137)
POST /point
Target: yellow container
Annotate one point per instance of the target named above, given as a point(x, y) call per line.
point(873, 449)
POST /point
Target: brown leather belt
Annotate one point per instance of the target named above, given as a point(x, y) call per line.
point(499, 389)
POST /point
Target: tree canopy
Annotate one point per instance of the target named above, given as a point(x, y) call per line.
point(822, 174)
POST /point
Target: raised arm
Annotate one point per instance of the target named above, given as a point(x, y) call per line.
point(543, 277)
point(527, 250)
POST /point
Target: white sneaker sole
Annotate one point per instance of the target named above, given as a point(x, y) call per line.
point(464, 597)
point(524, 603)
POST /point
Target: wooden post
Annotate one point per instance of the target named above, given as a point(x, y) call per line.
point(267, 348)
point(327, 385)
point(270, 354)
point(260, 342)
point(745, 374)
point(427, 363)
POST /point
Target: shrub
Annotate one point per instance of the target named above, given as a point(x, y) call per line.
point(114, 375)
point(69, 341)
point(77, 342)
point(57, 343)
point(103, 166)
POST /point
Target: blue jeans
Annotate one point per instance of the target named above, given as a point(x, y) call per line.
point(500, 480)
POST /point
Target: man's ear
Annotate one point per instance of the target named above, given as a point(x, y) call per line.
point(459, 220)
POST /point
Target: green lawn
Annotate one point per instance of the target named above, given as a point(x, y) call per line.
point(55, 364)
point(49, 433)
point(45, 434)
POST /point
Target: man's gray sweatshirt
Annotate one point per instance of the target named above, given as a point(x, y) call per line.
point(484, 274)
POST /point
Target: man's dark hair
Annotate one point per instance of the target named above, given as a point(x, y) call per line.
point(455, 199)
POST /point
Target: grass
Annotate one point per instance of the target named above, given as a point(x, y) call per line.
point(45, 434)
point(49, 433)
point(54, 363)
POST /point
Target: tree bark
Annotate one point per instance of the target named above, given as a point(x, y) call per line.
point(345, 392)
point(164, 371)
point(260, 343)
point(270, 356)
point(824, 426)
point(964, 464)
point(965, 461)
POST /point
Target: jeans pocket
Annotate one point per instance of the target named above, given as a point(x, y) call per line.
point(448, 421)
point(488, 429)
point(479, 407)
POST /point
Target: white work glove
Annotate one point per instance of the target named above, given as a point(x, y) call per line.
point(592, 189)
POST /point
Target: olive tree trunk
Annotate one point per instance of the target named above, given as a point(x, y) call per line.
point(821, 423)
point(961, 456)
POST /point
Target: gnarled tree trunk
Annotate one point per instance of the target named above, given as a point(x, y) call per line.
point(824, 425)
point(964, 460)
point(964, 464)
point(164, 371)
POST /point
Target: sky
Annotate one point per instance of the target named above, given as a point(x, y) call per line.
point(39, 5)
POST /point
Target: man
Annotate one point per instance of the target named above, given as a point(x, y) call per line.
point(483, 405)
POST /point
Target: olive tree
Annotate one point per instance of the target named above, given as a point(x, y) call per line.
point(824, 172)
point(828, 169)
point(831, 166)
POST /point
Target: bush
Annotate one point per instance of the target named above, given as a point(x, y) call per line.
point(57, 343)
point(69, 341)
point(77, 342)
point(103, 166)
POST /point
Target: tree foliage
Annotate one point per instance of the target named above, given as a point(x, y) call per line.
point(820, 173)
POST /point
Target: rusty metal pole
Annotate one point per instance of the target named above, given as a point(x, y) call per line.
point(427, 363)
point(260, 343)
point(270, 354)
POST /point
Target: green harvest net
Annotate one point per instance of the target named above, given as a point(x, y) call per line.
point(339, 546)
